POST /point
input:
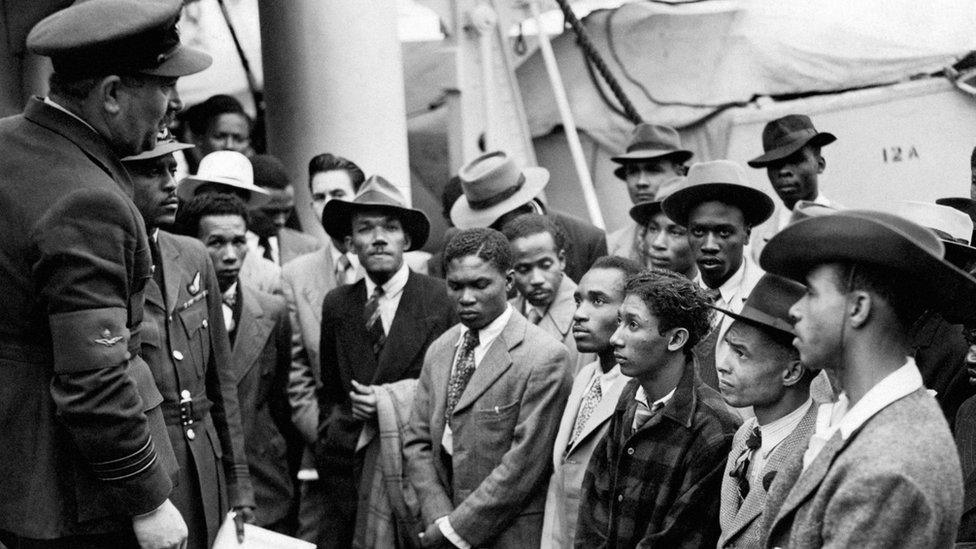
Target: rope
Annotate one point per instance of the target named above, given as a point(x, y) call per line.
point(591, 52)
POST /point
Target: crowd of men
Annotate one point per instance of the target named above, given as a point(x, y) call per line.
point(742, 369)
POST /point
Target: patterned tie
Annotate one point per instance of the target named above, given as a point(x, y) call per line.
point(590, 400)
point(741, 471)
point(374, 324)
point(714, 296)
point(463, 370)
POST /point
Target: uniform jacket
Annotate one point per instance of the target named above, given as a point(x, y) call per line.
point(584, 244)
point(261, 359)
point(569, 462)
point(504, 425)
point(423, 314)
point(84, 441)
point(558, 320)
point(895, 482)
point(658, 486)
point(188, 351)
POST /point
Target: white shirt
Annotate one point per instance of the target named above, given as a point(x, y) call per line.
point(486, 336)
point(228, 311)
point(773, 434)
point(392, 292)
point(641, 397)
point(732, 296)
point(254, 247)
point(834, 417)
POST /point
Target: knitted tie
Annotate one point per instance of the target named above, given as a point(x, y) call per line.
point(463, 370)
point(741, 471)
point(590, 400)
point(374, 324)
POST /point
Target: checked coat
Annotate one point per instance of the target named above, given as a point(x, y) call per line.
point(657, 486)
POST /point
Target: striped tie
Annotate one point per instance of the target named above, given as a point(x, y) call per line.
point(374, 324)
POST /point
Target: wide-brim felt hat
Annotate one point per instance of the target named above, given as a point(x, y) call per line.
point(493, 186)
point(228, 168)
point(784, 136)
point(649, 142)
point(879, 239)
point(376, 194)
point(768, 305)
point(642, 212)
point(952, 226)
point(162, 148)
point(100, 37)
point(723, 181)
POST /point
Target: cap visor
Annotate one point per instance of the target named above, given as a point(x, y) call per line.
point(183, 62)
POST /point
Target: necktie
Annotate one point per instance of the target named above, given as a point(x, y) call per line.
point(342, 265)
point(229, 302)
point(590, 400)
point(534, 317)
point(642, 414)
point(374, 324)
point(265, 244)
point(741, 471)
point(463, 370)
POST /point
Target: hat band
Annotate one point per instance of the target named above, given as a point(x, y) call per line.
point(497, 199)
point(649, 145)
point(946, 236)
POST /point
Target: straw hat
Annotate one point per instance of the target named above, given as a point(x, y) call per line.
point(228, 168)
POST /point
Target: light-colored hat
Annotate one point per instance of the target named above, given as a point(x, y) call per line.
point(642, 212)
point(953, 227)
point(723, 181)
point(493, 186)
point(162, 148)
point(376, 194)
point(228, 168)
point(650, 141)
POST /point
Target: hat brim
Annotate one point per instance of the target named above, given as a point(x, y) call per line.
point(187, 189)
point(642, 212)
point(337, 220)
point(965, 205)
point(757, 317)
point(756, 205)
point(849, 237)
point(465, 217)
point(183, 62)
point(820, 139)
point(162, 149)
point(959, 254)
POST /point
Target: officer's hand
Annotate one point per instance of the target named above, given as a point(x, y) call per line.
point(162, 528)
point(363, 399)
point(242, 514)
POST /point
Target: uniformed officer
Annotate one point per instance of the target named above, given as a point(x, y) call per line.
point(189, 356)
point(85, 459)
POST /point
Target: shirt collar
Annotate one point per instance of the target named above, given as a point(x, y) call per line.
point(774, 432)
point(896, 385)
point(231, 292)
point(494, 328)
point(730, 287)
point(393, 286)
point(50, 102)
point(641, 397)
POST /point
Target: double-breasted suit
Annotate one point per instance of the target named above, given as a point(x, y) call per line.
point(493, 486)
point(84, 444)
point(185, 344)
point(570, 460)
point(261, 358)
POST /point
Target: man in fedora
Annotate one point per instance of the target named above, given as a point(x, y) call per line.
point(496, 191)
point(719, 206)
point(665, 243)
point(885, 472)
point(85, 459)
point(764, 372)
point(654, 159)
point(375, 331)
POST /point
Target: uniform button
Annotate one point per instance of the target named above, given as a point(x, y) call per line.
point(185, 394)
point(620, 497)
point(177, 355)
point(190, 434)
point(630, 451)
point(169, 318)
point(205, 323)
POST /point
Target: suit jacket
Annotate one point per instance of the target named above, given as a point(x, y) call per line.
point(584, 244)
point(210, 451)
point(895, 482)
point(570, 461)
point(742, 522)
point(940, 353)
point(346, 353)
point(293, 244)
point(261, 360)
point(260, 273)
point(504, 424)
point(84, 445)
point(966, 441)
point(558, 321)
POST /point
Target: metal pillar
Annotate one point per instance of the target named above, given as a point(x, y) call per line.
point(333, 82)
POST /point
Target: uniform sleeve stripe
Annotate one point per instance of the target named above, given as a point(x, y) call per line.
point(109, 463)
point(128, 467)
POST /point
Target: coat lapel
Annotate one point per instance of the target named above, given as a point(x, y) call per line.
point(809, 480)
point(408, 332)
point(568, 421)
point(173, 271)
point(560, 313)
point(604, 410)
point(495, 363)
point(252, 333)
point(733, 518)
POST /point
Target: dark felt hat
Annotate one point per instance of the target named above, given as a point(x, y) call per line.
point(784, 136)
point(99, 37)
point(376, 194)
point(768, 305)
point(650, 141)
point(720, 180)
point(879, 239)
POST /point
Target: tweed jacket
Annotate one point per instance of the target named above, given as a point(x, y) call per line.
point(585, 244)
point(346, 353)
point(558, 320)
point(894, 482)
point(492, 488)
point(261, 359)
point(658, 486)
point(570, 461)
point(184, 319)
point(84, 444)
point(742, 521)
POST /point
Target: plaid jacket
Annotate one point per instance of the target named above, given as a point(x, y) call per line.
point(659, 486)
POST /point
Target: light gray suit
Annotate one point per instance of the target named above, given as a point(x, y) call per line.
point(895, 482)
point(558, 320)
point(563, 496)
point(503, 429)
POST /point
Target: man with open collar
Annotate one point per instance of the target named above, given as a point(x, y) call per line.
point(881, 469)
point(374, 332)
